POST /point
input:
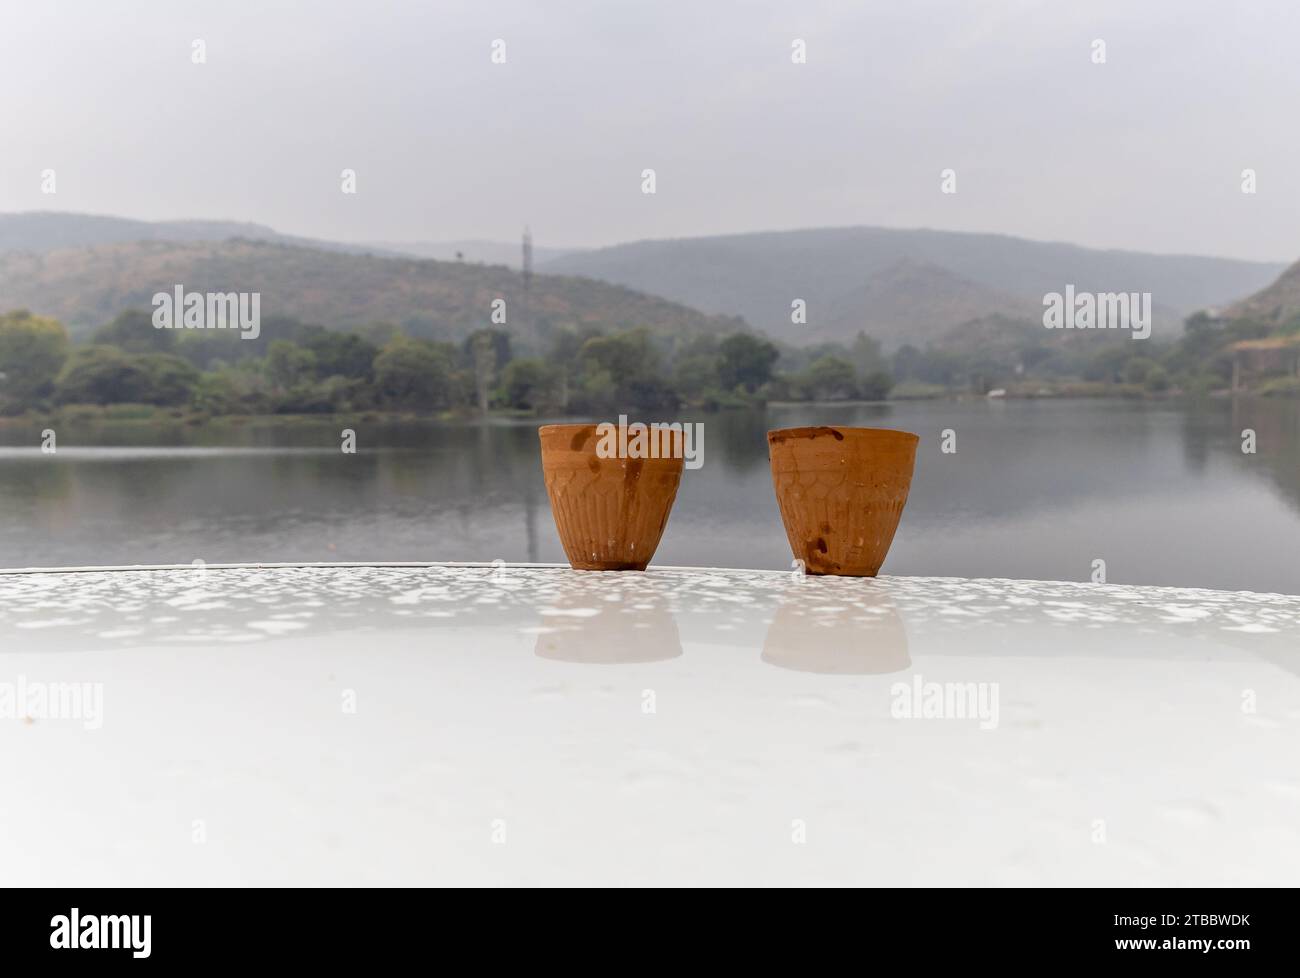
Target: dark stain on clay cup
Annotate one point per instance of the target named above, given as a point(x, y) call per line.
point(841, 492)
point(610, 512)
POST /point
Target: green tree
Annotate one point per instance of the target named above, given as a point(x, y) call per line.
point(210, 348)
point(564, 355)
point(288, 364)
point(33, 349)
point(239, 388)
point(624, 355)
point(875, 386)
point(103, 375)
point(695, 375)
point(486, 352)
point(414, 374)
point(529, 383)
point(331, 395)
point(829, 378)
point(931, 365)
point(343, 355)
point(1108, 364)
point(217, 393)
point(745, 361)
point(381, 334)
point(133, 332)
point(866, 356)
point(1157, 379)
point(596, 390)
point(622, 370)
point(1137, 368)
point(171, 380)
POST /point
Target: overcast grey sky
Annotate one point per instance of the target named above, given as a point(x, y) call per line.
point(1144, 151)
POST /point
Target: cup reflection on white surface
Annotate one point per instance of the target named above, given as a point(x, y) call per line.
point(862, 635)
point(608, 633)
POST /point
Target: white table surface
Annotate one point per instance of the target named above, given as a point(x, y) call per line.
point(461, 724)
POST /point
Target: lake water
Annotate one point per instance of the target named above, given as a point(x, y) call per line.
point(1163, 493)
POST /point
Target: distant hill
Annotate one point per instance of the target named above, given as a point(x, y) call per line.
point(42, 231)
point(86, 287)
point(505, 253)
point(899, 285)
point(908, 299)
point(1277, 304)
point(916, 286)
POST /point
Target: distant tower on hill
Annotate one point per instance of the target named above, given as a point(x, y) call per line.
point(528, 256)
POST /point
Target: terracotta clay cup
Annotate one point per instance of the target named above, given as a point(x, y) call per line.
point(841, 493)
point(610, 512)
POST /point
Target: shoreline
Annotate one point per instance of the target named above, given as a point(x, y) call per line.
point(150, 416)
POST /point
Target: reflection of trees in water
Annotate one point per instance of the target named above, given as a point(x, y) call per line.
point(29, 493)
point(736, 440)
point(472, 469)
point(1204, 423)
point(420, 489)
point(53, 488)
point(1216, 427)
point(1277, 425)
point(161, 506)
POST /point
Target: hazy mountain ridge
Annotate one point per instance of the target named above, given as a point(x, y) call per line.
point(844, 276)
point(910, 299)
point(1276, 304)
point(43, 231)
point(86, 287)
point(899, 286)
point(505, 253)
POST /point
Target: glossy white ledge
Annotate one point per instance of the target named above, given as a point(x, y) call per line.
point(475, 724)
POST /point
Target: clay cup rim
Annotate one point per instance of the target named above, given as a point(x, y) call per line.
point(579, 442)
point(779, 436)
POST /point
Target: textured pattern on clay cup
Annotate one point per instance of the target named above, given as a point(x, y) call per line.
point(610, 512)
point(841, 493)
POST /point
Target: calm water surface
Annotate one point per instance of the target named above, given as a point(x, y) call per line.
point(1163, 493)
